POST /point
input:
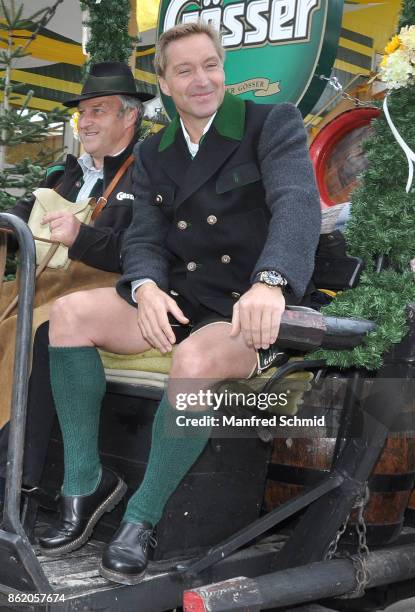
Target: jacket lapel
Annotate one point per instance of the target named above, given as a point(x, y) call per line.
point(212, 154)
point(173, 154)
point(222, 139)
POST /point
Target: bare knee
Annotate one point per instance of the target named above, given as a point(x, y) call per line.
point(191, 363)
point(192, 372)
point(68, 319)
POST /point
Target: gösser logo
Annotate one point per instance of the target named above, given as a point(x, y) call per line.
point(125, 196)
point(274, 48)
point(245, 21)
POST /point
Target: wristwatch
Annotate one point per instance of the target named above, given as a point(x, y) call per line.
point(271, 278)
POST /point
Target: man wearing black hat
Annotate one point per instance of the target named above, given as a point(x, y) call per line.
point(110, 112)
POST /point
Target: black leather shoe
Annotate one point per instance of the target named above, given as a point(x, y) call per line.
point(125, 558)
point(79, 515)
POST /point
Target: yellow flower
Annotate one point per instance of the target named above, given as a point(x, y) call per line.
point(384, 61)
point(74, 124)
point(392, 45)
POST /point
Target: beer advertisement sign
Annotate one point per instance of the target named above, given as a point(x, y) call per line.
point(276, 50)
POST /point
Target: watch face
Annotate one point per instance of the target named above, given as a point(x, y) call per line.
point(273, 278)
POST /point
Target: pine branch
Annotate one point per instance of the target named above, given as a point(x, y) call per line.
point(19, 124)
point(108, 22)
point(382, 223)
point(407, 17)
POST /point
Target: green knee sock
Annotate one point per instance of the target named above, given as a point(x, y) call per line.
point(78, 385)
point(173, 451)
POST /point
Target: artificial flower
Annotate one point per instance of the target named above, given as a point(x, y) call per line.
point(397, 68)
point(74, 124)
point(407, 37)
point(392, 45)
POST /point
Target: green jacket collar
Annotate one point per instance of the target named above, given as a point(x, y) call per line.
point(229, 122)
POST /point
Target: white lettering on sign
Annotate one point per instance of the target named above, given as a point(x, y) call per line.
point(255, 18)
point(250, 23)
point(232, 17)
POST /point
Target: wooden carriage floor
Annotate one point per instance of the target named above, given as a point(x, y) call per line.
point(77, 573)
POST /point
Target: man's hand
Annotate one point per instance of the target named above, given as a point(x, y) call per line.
point(257, 314)
point(64, 227)
point(152, 319)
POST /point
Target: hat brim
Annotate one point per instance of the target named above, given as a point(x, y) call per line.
point(144, 97)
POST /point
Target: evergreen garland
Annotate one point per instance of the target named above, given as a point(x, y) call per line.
point(19, 125)
point(407, 14)
point(382, 223)
point(383, 214)
point(108, 21)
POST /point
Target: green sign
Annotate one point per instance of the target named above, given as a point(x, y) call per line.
point(275, 49)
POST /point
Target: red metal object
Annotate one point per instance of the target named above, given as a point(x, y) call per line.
point(325, 141)
point(193, 602)
point(237, 594)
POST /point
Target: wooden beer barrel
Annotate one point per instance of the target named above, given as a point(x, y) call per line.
point(337, 154)
point(299, 462)
point(410, 511)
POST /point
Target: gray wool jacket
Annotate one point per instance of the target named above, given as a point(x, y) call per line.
point(247, 202)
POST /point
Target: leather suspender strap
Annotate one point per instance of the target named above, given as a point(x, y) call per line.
point(102, 201)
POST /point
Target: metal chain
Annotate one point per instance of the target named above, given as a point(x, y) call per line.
point(362, 577)
point(49, 13)
point(360, 559)
point(361, 502)
point(338, 87)
point(332, 549)
point(363, 548)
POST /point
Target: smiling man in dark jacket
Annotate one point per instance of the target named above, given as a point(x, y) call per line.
point(225, 227)
point(110, 113)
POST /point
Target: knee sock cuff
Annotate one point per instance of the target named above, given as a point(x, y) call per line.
point(78, 361)
point(72, 349)
point(78, 386)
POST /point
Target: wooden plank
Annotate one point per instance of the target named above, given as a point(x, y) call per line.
point(77, 573)
point(67, 566)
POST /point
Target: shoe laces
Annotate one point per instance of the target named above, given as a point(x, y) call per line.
point(146, 539)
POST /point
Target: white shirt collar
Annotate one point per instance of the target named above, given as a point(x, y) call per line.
point(87, 163)
point(192, 146)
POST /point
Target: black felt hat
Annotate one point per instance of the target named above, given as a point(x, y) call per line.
point(108, 79)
